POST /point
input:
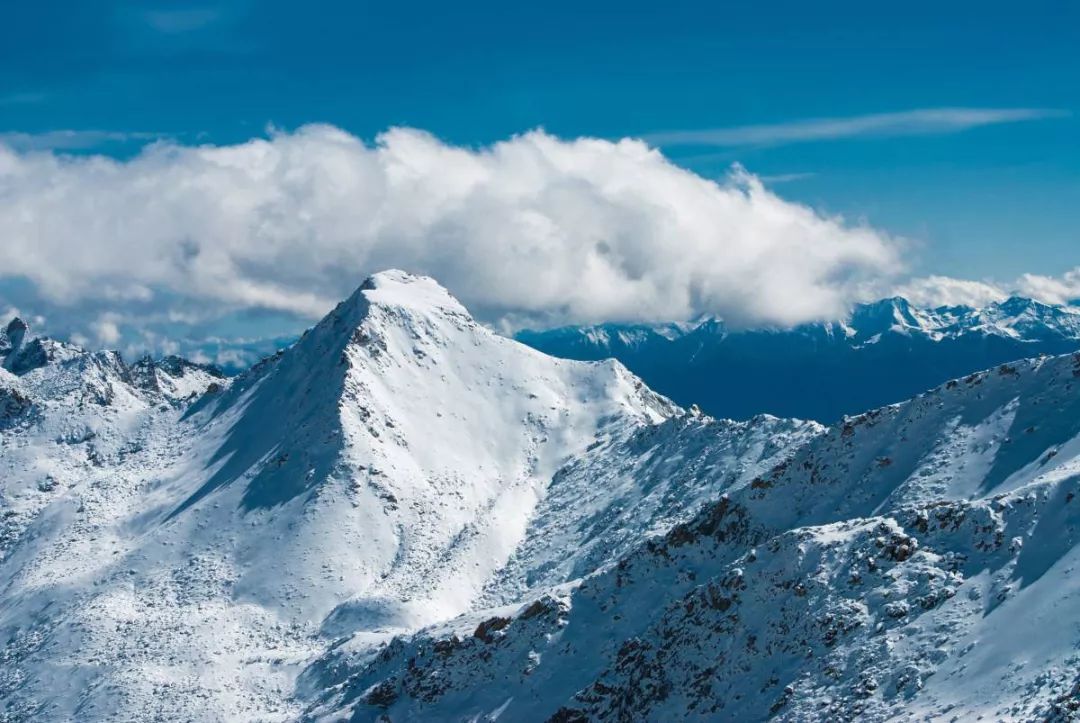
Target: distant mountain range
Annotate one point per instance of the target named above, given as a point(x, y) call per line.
point(884, 352)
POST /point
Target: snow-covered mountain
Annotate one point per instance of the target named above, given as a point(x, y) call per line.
point(882, 353)
point(918, 561)
point(404, 516)
point(186, 558)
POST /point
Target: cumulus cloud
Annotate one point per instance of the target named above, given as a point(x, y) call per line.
point(533, 228)
point(1055, 290)
point(934, 291)
point(108, 333)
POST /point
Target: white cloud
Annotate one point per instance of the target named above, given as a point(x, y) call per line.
point(923, 121)
point(934, 291)
point(787, 177)
point(533, 228)
point(107, 331)
point(931, 291)
point(1056, 290)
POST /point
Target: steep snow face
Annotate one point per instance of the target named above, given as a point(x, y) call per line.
point(637, 485)
point(915, 561)
point(406, 447)
point(398, 466)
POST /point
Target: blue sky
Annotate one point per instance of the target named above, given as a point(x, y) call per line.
point(954, 125)
point(478, 72)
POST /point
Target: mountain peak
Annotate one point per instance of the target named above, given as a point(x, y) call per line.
point(1016, 305)
point(888, 304)
point(887, 314)
point(402, 289)
point(400, 293)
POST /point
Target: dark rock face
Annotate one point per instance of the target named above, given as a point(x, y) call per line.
point(146, 372)
point(11, 341)
point(15, 333)
point(15, 407)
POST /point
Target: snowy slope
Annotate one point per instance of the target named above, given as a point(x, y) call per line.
point(179, 546)
point(917, 561)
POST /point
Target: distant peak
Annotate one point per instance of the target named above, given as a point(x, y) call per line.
point(880, 316)
point(1019, 303)
point(890, 302)
point(13, 337)
point(17, 326)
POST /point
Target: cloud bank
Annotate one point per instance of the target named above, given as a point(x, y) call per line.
point(259, 238)
point(533, 228)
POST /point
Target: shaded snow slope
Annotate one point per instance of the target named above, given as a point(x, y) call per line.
point(917, 561)
point(181, 546)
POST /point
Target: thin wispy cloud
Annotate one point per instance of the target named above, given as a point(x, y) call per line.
point(28, 98)
point(72, 140)
point(787, 177)
point(924, 121)
point(173, 22)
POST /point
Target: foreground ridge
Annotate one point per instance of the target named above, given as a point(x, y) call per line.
point(904, 562)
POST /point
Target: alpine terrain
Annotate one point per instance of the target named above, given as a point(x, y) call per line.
point(404, 516)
